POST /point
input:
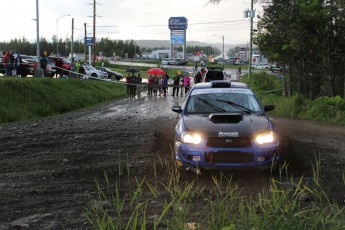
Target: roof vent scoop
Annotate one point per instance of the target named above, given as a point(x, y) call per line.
point(225, 117)
point(220, 84)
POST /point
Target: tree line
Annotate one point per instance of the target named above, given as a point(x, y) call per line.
point(105, 46)
point(307, 37)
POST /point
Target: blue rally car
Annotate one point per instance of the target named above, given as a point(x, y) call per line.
point(222, 125)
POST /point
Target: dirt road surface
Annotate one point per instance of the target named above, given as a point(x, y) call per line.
point(48, 167)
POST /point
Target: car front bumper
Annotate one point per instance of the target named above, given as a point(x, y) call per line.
point(201, 156)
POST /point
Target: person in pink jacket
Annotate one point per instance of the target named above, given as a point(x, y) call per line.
point(186, 83)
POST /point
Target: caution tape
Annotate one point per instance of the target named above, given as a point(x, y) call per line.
point(273, 90)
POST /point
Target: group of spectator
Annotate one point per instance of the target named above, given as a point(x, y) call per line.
point(157, 84)
point(11, 63)
point(133, 83)
point(181, 81)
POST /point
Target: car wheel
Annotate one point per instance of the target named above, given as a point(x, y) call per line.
point(14, 72)
point(113, 77)
point(93, 75)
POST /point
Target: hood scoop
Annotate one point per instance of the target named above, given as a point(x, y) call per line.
point(225, 117)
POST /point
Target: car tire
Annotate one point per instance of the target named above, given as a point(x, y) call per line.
point(14, 73)
point(93, 75)
point(113, 77)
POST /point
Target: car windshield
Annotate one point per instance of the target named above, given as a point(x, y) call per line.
point(206, 101)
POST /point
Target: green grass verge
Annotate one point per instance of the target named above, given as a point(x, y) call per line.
point(268, 87)
point(30, 98)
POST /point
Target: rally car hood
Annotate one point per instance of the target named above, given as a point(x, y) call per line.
point(235, 125)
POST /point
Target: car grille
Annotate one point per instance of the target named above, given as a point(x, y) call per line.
point(229, 157)
point(228, 142)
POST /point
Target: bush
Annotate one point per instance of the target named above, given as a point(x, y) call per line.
point(326, 109)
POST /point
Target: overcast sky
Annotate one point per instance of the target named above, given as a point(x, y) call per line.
point(127, 19)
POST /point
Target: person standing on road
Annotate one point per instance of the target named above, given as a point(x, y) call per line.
point(197, 78)
point(139, 80)
point(133, 85)
point(182, 85)
point(128, 83)
point(165, 84)
point(176, 85)
point(150, 85)
point(186, 83)
point(155, 85)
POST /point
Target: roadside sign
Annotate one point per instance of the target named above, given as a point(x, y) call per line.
point(178, 23)
point(89, 41)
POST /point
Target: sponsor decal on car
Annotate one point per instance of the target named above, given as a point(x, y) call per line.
point(227, 134)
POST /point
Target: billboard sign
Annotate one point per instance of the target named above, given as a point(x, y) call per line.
point(89, 41)
point(178, 23)
point(177, 39)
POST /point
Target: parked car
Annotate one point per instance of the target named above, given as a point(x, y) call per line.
point(180, 61)
point(261, 66)
point(29, 64)
point(222, 125)
point(93, 72)
point(167, 61)
point(111, 74)
point(275, 68)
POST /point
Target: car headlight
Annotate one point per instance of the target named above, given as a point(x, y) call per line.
point(265, 138)
point(192, 138)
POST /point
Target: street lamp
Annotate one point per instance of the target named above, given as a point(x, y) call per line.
point(57, 32)
point(222, 36)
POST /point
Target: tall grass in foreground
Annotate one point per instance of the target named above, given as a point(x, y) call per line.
point(30, 98)
point(166, 201)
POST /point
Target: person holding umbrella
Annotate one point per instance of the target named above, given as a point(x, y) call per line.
point(128, 84)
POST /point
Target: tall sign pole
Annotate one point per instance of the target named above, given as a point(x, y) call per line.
point(178, 27)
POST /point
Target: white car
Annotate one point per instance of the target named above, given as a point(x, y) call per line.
point(168, 61)
point(261, 66)
point(93, 72)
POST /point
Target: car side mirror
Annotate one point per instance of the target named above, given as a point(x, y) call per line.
point(177, 109)
point(268, 108)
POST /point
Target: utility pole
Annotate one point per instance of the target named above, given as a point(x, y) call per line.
point(223, 52)
point(94, 33)
point(251, 39)
point(85, 42)
point(38, 72)
point(72, 57)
